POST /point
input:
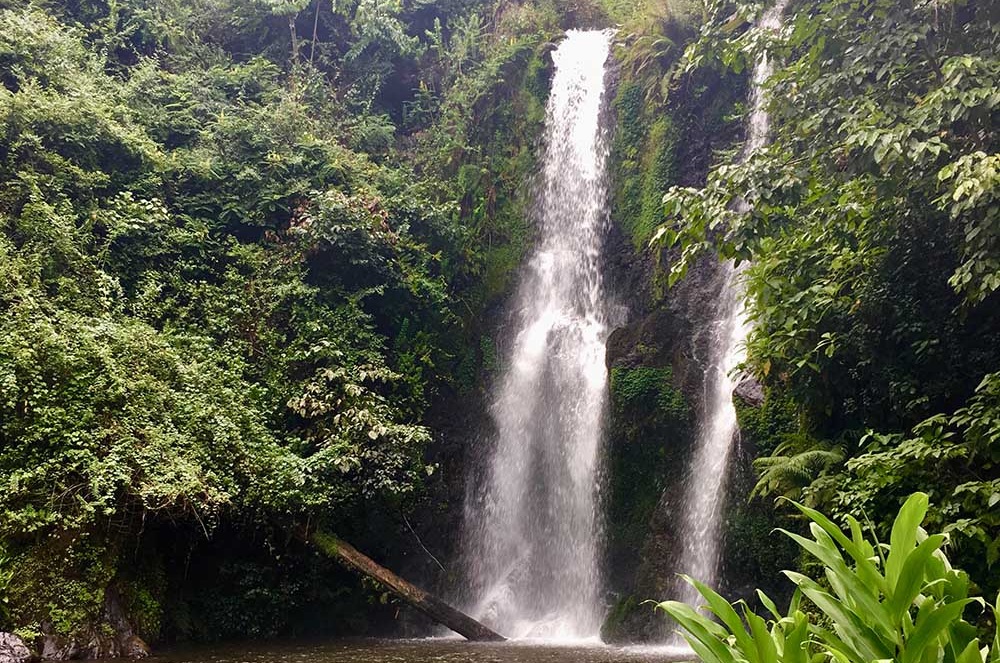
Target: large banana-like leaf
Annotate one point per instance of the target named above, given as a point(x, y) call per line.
point(847, 584)
point(724, 610)
point(863, 643)
point(929, 627)
point(903, 538)
point(707, 638)
point(860, 551)
point(896, 603)
point(913, 576)
point(796, 647)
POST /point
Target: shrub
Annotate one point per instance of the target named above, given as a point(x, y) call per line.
point(900, 601)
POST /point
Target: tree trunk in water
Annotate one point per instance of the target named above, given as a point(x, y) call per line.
point(426, 603)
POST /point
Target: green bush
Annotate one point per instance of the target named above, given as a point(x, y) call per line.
point(900, 601)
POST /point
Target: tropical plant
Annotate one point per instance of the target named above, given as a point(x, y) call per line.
point(901, 601)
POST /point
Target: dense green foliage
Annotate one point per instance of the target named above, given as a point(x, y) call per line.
point(901, 601)
point(249, 251)
point(871, 234)
point(245, 247)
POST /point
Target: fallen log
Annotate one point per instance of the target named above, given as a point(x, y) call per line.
point(426, 603)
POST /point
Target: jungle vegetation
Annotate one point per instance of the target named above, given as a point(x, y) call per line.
point(249, 248)
point(870, 243)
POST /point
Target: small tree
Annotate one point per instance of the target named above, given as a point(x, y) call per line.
point(290, 9)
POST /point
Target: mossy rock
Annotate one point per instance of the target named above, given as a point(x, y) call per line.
point(650, 422)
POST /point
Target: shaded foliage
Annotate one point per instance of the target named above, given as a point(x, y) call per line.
point(870, 230)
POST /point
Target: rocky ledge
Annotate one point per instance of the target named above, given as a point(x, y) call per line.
point(13, 649)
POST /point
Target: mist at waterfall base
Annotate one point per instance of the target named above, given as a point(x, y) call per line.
point(425, 650)
point(533, 527)
point(705, 491)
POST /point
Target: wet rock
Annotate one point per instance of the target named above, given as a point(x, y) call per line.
point(111, 637)
point(101, 645)
point(13, 649)
point(135, 647)
point(59, 648)
point(749, 391)
point(94, 644)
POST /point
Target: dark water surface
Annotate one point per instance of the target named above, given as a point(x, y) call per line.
point(425, 651)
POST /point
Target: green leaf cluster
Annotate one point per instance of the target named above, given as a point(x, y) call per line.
point(901, 601)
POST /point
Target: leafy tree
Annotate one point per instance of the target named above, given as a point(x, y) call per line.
point(869, 225)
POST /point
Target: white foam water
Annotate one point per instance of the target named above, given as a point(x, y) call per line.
point(533, 525)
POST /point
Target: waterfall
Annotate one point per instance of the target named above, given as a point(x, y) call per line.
point(533, 522)
point(718, 429)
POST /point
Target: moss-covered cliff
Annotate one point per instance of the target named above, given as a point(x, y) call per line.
point(670, 127)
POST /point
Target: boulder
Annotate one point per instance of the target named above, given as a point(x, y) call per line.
point(111, 637)
point(749, 391)
point(59, 648)
point(135, 647)
point(13, 649)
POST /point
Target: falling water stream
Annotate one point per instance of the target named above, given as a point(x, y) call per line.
point(534, 522)
point(533, 526)
point(718, 430)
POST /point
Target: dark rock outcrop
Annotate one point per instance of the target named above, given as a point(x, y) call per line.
point(749, 391)
point(135, 647)
point(671, 336)
point(668, 333)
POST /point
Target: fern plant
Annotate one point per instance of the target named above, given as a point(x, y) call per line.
point(795, 464)
point(900, 601)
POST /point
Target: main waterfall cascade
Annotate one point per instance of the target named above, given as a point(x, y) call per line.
point(534, 524)
point(718, 430)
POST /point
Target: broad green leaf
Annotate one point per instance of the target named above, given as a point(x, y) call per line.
point(796, 645)
point(862, 641)
point(912, 576)
point(769, 604)
point(725, 612)
point(929, 627)
point(904, 536)
point(704, 631)
point(848, 585)
point(765, 647)
point(860, 552)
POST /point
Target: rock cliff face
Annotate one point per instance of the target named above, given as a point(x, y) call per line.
point(656, 363)
point(657, 359)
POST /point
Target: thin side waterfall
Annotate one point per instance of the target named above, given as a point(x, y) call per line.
point(718, 430)
point(534, 524)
